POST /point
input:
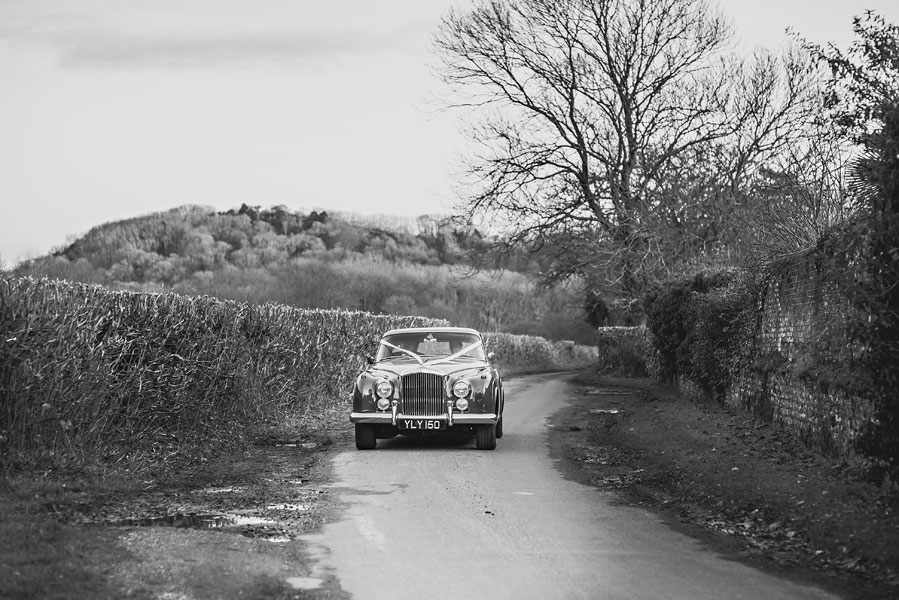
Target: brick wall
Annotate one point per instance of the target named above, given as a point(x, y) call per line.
point(793, 375)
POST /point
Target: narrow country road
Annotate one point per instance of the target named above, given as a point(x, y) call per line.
point(443, 520)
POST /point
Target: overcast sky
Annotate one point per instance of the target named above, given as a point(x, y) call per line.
point(111, 109)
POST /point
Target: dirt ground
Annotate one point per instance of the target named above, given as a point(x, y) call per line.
point(229, 527)
point(745, 488)
point(226, 527)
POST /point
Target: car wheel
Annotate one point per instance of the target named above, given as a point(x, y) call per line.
point(486, 437)
point(365, 437)
point(499, 427)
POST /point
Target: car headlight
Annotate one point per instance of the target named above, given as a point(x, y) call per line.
point(462, 404)
point(461, 388)
point(383, 404)
point(384, 388)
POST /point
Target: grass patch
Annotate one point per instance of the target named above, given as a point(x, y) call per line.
point(43, 558)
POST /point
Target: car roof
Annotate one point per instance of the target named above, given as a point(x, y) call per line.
point(433, 330)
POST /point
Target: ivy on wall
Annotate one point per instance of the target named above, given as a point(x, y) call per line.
point(702, 328)
point(826, 318)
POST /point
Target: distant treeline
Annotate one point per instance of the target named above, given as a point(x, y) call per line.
point(317, 260)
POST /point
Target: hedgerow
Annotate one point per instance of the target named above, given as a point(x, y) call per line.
point(702, 328)
point(533, 353)
point(89, 371)
point(623, 351)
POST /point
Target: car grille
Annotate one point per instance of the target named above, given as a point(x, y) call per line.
point(423, 395)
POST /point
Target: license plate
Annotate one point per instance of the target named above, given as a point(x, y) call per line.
point(423, 424)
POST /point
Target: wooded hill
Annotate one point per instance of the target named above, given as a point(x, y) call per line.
point(386, 265)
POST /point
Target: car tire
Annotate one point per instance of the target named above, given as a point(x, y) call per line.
point(486, 437)
point(365, 437)
point(498, 406)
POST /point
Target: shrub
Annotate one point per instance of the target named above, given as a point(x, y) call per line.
point(669, 319)
point(702, 328)
point(622, 351)
point(533, 353)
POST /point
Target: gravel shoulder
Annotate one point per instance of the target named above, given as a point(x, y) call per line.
point(744, 488)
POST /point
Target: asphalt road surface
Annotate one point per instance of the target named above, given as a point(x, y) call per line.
point(440, 519)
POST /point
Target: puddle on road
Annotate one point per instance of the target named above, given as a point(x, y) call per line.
point(606, 411)
point(223, 490)
point(610, 392)
point(288, 507)
point(193, 521)
point(306, 445)
point(304, 583)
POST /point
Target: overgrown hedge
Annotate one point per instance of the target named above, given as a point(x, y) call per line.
point(706, 330)
point(624, 351)
point(703, 328)
point(90, 373)
point(538, 354)
point(861, 260)
point(86, 370)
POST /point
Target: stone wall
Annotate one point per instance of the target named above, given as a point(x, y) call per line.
point(798, 371)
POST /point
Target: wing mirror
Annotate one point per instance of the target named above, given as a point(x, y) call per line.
point(370, 360)
point(491, 357)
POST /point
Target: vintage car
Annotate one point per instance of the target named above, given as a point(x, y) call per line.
point(427, 381)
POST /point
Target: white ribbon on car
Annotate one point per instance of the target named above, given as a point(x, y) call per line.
point(433, 362)
point(403, 350)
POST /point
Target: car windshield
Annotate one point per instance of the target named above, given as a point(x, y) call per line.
point(430, 345)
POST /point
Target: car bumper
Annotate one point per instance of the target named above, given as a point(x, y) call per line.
point(458, 419)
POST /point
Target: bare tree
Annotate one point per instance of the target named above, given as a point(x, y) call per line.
point(614, 130)
point(800, 196)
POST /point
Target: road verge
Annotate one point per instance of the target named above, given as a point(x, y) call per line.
point(746, 488)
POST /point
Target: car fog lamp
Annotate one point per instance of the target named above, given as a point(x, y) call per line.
point(383, 404)
point(461, 388)
point(462, 404)
point(384, 388)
